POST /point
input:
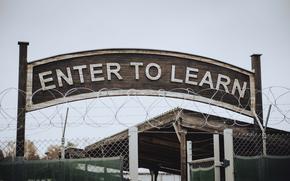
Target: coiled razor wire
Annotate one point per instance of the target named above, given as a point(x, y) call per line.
point(126, 110)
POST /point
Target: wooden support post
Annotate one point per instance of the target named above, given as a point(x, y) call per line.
point(229, 154)
point(189, 158)
point(216, 151)
point(181, 135)
point(183, 154)
point(256, 67)
point(21, 109)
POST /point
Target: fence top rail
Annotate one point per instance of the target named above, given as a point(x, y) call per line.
point(59, 160)
point(261, 156)
point(203, 160)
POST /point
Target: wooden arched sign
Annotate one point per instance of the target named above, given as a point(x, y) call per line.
point(119, 72)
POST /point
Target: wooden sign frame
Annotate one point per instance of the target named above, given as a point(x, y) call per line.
point(180, 77)
point(139, 72)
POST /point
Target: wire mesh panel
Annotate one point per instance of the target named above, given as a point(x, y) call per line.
point(115, 146)
point(278, 144)
point(249, 144)
point(74, 149)
point(262, 158)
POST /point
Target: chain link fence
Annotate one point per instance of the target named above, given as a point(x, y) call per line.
point(251, 144)
point(248, 144)
point(262, 157)
point(50, 149)
point(278, 144)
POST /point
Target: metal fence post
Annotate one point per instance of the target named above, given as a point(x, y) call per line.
point(217, 163)
point(229, 154)
point(133, 153)
point(189, 158)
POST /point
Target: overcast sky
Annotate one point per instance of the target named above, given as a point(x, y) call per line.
point(226, 30)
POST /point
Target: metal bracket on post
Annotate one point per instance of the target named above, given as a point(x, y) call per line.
point(225, 163)
point(229, 154)
point(133, 153)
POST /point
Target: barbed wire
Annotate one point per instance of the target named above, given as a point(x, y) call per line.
point(128, 110)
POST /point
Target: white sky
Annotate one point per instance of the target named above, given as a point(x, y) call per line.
point(227, 30)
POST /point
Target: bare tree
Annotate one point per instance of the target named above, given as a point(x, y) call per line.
point(1, 155)
point(9, 151)
point(70, 145)
point(30, 150)
point(53, 152)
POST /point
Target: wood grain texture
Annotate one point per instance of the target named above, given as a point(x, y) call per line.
point(88, 89)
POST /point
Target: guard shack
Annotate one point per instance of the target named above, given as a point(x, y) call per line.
point(199, 147)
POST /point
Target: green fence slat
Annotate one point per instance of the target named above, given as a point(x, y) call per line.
point(202, 174)
point(62, 170)
point(261, 168)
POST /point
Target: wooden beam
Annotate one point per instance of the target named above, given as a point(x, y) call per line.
point(215, 124)
point(183, 154)
point(256, 67)
point(159, 121)
point(21, 109)
point(177, 129)
point(158, 141)
point(155, 162)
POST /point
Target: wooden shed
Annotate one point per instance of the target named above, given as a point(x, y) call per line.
point(162, 139)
